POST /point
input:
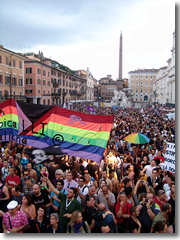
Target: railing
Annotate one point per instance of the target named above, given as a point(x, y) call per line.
point(16, 97)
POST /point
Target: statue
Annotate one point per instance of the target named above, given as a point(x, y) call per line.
point(119, 98)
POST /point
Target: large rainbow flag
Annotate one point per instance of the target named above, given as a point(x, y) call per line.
point(77, 134)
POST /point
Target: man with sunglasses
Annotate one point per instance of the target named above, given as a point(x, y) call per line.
point(81, 189)
point(154, 181)
point(26, 174)
point(69, 182)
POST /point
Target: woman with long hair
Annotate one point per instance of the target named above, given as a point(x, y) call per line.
point(27, 207)
point(77, 224)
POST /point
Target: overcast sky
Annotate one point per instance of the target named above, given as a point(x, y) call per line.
point(85, 33)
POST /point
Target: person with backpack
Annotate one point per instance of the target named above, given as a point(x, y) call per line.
point(81, 189)
point(77, 224)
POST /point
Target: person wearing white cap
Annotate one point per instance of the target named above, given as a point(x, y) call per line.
point(13, 220)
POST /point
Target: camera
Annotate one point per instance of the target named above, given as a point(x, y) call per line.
point(146, 200)
point(141, 181)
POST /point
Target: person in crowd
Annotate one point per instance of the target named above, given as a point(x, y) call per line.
point(55, 226)
point(160, 227)
point(107, 198)
point(17, 194)
point(108, 181)
point(115, 183)
point(68, 203)
point(28, 187)
point(162, 215)
point(14, 220)
point(26, 174)
point(58, 176)
point(148, 210)
point(109, 219)
point(41, 221)
point(171, 201)
point(104, 227)
point(154, 181)
point(4, 196)
point(152, 155)
point(148, 168)
point(159, 156)
point(167, 186)
point(91, 192)
point(122, 208)
point(10, 161)
point(5, 169)
point(69, 182)
point(88, 182)
point(81, 189)
point(39, 198)
point(77, 224)
point(32, 172)
point(55, 202)
point(134, 224)
point(160, 198)
point(27, 207)
point(11, 180)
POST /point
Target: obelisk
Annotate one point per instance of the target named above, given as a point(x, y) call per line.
point(120, 57)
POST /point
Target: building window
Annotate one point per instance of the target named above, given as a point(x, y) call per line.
point(141, 76)
point(66, 76)
point(132, 77)
point(51, 80)
point(39, 91)
point(28, 70)
point(44, 102)
point(14, 81)
point(20, 82)
point(0, 59)
point(66, 83)
point(63, 82)
point(151, 91)
point(137, 76)
point(141, 83)
point(44, 82)
point(7, 60)
point(28, 90)
point(28, 80)
point(0, 79)
point(38, 71)
point(146, 84)
point(48, 102)
point(141, 90)
point(150, 84)
point(137, 83)
point(20, 64)
point(48, 73)
point(59, 74)
point(136, 90)
point(14, 63)
point(146, 77)
point(151, 77)
point(44, 91)
point(39, 81)
point(48, 83)
point(7, 80)
point(146, 91)
point(44, 73)
point(51, 72)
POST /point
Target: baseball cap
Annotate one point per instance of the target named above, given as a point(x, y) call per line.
point(12, 204)
point(27, 178)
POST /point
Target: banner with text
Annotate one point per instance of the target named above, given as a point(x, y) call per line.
point(169, 163)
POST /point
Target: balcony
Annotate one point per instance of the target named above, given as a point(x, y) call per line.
point(55, 95)
point(15, 97)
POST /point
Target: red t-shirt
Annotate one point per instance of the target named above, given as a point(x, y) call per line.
point(158, 202)
point(125, 210)
point(12, 181)
point(161, 159)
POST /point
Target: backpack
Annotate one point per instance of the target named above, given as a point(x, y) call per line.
point(84, 226)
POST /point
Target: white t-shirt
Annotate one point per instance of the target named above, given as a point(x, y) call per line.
point(149, 169)
point(84, 191)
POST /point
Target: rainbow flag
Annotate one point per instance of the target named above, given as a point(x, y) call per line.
point(77, 134)
point(12, 121)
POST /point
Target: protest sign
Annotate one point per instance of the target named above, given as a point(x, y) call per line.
point(169, 163)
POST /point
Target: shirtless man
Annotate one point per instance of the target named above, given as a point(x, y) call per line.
point(115, 182)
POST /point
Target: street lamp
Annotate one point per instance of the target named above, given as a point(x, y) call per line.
point(154, 98)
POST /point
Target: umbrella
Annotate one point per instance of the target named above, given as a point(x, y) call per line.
point(137, 138)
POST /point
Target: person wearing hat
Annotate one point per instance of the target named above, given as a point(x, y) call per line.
point(13, 220)
point(28, 187)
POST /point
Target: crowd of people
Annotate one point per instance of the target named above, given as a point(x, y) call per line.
point(127, 192)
